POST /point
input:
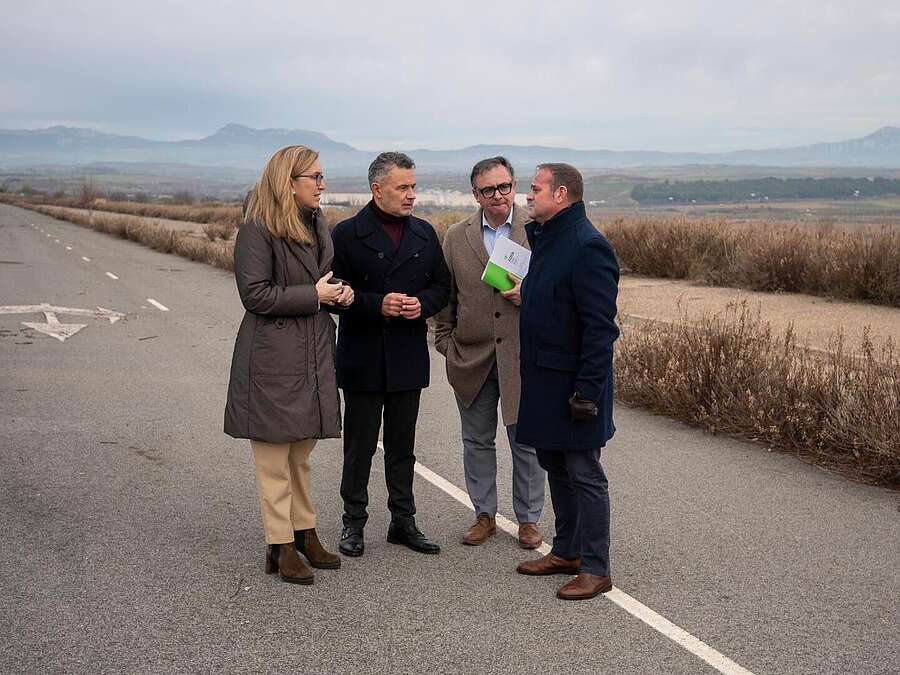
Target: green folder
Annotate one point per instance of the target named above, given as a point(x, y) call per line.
point(495, 276)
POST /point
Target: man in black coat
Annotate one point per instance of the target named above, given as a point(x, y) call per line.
point(394, 263)
point(567, 330)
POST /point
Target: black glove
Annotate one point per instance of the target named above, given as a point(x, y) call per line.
point(582, 408)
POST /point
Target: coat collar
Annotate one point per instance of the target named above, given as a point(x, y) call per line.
point(561, 221)
point(304, 254)
point(370, 232)
point(475, 237)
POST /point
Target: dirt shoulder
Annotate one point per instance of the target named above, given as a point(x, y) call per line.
point(816, 320)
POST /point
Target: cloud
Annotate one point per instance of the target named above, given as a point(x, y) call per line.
point(673, 76)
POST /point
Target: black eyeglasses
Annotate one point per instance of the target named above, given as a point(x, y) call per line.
point(488, 192)
point(318, 177)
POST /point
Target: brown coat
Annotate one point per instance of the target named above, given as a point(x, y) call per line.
point(282, 386)
point(479, 325)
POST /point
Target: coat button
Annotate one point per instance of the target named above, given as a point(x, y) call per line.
point(499, 340)
point(380, 255)
point(496, 315)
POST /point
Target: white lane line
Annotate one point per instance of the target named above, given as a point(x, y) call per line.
point(161, 307)
point(618, 597)
point(47, 235)
point(68, 248)
point(112, 276)
point(56, 240)
point(85, 258)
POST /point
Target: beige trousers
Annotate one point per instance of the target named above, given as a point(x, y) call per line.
point(282, 479)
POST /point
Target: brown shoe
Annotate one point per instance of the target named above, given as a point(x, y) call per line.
point(307, 542)
point(529, 537)
point(584, 586)
point(283, 558)
point(549, 564)
point(485, 526)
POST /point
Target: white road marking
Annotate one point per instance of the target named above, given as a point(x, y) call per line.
point(68, 248)
point(55, 329)
point(85, 258)
point(161, 307)
point(47, 235)
point(112, 276)
point(618, 597)
point(56, 240)
point(100, 312)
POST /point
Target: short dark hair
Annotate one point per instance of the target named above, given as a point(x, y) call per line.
point(486, 165)
point(565, 175)
point(382, 164)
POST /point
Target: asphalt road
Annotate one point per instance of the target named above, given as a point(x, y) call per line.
point(131, 541)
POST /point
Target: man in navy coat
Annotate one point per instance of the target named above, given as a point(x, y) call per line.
point(394, 263)
point(567, 330)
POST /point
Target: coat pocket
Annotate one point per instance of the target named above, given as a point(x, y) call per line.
point(557, 361)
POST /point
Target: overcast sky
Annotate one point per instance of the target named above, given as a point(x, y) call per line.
point(656, 75)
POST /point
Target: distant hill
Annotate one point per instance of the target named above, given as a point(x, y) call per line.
point(241, 147)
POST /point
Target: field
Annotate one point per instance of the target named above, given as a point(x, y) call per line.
point(726, 369)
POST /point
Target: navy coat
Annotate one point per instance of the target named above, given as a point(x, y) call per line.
point(567, 328)
point(375, 353)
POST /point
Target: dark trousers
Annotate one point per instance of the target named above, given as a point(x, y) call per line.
point(363, 411)
point(580, 494)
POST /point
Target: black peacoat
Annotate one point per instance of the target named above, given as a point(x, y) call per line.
point(282, 385)
point(375, 353)
point(567, 328)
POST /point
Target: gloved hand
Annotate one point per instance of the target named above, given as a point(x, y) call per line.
point(582, 408)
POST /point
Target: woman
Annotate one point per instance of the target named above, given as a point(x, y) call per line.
point(282, 394)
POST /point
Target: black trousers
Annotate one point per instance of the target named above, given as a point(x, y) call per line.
point(363, 411)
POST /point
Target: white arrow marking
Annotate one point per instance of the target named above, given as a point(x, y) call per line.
point(112, 276)
point(55, 329)
point(100, 312)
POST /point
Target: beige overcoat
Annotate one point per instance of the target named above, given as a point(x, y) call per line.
point(479, 325)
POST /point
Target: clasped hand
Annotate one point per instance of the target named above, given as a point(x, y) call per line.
point(402, 305)
point(334, 293)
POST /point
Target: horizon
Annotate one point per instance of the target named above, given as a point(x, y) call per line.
point(890, 127)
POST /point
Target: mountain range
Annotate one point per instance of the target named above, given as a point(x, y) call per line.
point(241, 147)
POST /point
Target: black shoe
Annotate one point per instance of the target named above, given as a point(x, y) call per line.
point(408, 535)
point(352, 542)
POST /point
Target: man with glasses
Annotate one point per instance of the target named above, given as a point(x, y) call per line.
point(478, 333)
point(394, 263)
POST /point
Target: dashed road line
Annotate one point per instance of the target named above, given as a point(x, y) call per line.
point(68, 248)
point(161, 307)
point(85, 258)
point(112, 276)
point(637, 609)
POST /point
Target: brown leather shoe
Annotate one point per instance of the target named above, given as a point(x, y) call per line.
point(549, 564)
point(529, 537)
point(283, 559)
point(483, 528)
point(307, 542)
point(584, 586)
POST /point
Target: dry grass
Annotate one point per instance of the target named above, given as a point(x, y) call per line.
point(224, 213)
point(133, 228)
point(729, 374)
point(858, 265)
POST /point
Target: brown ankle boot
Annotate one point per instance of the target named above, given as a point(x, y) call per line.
point(307, 542)
point(283, 558)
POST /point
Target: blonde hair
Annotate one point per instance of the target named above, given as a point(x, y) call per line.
point(272, 200)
